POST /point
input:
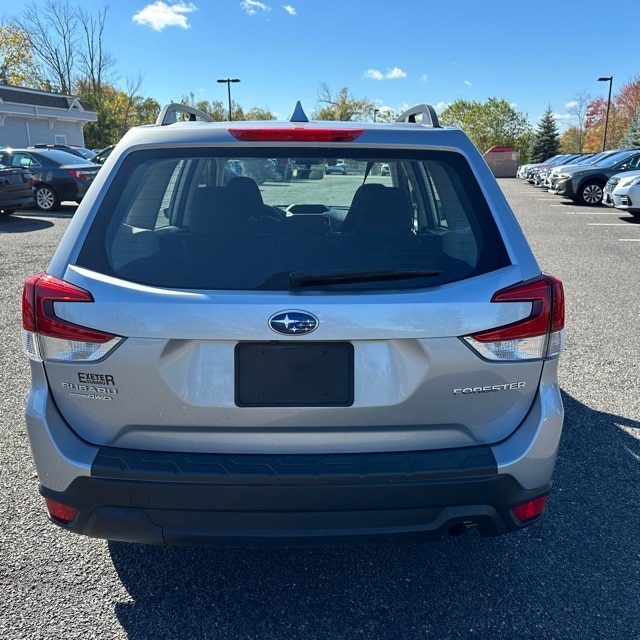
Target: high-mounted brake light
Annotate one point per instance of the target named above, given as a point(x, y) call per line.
point(537, 336)
point(49, 337)
point(295, 134)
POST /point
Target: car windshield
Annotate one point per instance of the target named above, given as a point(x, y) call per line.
point(205, 220)
point(614, 159)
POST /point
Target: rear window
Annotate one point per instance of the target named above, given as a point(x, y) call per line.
point(195, 219)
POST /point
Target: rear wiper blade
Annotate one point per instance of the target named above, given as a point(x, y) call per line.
point(354, 276)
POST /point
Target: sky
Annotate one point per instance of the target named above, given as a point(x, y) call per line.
point(396, 53)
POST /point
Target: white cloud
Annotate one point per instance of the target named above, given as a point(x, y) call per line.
point(160, 15)
point(562, 116)
point(441, 106)
point(253, 6)
point(571, 105)
point(392, 74)
point(467, 83)
point(373, 74)
point(424, 78)
point(289, 9)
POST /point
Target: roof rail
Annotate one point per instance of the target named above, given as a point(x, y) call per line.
point(169, 114)
point(420, 109)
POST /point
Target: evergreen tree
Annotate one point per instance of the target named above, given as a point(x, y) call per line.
point(631, 139)
point(546, 139)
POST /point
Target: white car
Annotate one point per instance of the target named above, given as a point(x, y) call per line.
point(622, 191)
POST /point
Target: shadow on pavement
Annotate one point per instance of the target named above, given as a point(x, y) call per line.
point(19, 224)
point(573, 575)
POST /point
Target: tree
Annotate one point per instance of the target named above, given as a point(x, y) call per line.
point(623, 110)
point(52, 31)
point(572, 140)
point(17, 60)
point(631, 139)
point(341, 106)
point(578, 133)
point(546, 139)
point(95, 61)
point(488, 124)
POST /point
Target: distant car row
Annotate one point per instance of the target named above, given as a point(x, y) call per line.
point(45, 175)
point(590, 179)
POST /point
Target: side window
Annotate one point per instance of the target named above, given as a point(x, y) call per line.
point(23, 160)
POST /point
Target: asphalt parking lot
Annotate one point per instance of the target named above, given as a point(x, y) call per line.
point(574, 575)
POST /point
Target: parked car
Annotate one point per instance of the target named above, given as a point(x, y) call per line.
point(16, 190)
point(83, 152)
point(338, 167)
point(585, 184)
point(283, 169)
point(314, 361)
point(590, 159)
point(524, 169)
point(537, 172)
point(260, 169)
point(622, 191)
point(102, 155)
point(58, 175)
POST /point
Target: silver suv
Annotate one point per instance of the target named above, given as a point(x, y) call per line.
point(215, 362)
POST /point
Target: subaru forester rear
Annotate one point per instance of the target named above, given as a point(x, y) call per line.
point(329, 359)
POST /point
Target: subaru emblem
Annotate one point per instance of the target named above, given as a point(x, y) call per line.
point(293, 323)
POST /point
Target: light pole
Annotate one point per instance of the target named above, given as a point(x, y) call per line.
point(375, 114)
point(229, 81)
point(608, 79)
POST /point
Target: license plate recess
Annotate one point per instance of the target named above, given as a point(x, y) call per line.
point(282, 374)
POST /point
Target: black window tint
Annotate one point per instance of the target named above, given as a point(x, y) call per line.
point(213, 220)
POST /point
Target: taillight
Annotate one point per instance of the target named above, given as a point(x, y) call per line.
point(529, 510)
point(295, 134)
point(82, 174)
point(48, 337)
point(539, 335)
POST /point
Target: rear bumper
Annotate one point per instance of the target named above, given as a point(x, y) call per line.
point(270, 499)
point(21, 201)
point(253, 500)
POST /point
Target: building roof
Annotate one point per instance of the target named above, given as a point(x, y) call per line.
point(52, 104)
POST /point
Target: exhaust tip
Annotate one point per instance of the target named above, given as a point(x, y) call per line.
point(457, 529)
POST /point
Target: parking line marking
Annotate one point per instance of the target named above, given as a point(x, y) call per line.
point(591, 213)
point(629, 239)
point(611, 224)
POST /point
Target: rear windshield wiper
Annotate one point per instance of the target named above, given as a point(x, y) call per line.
point(353, 276)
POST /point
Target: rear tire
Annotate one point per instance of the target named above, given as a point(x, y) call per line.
point(590, 194)
point(46, 199)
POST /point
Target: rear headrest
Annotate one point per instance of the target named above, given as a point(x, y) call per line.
point(246, 190)
point(214, 211)
point(379, 210)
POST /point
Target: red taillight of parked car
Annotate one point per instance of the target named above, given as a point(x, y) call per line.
point(539, 335)
point(82, 174)
point(295, 134)
point(49, 337)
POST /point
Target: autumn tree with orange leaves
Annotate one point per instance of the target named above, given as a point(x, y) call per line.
point(624, 109)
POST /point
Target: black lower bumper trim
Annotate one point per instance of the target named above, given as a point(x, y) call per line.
point(286, 500)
